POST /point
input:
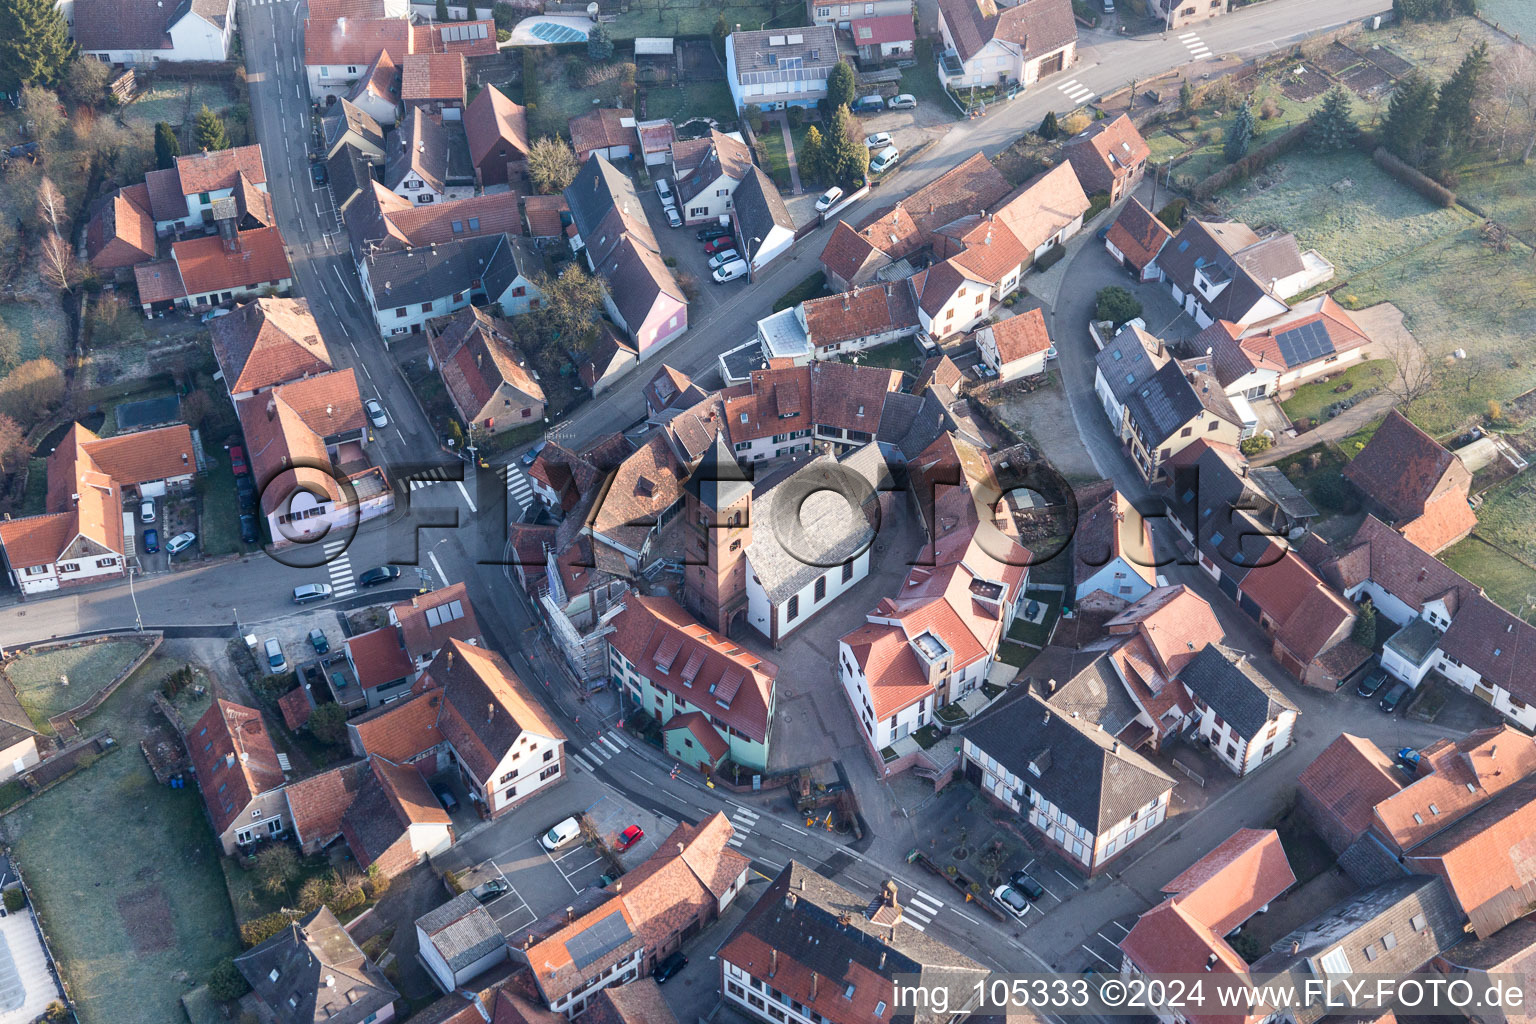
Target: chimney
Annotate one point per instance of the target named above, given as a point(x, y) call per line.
point(882, 961)
point(330, 981)
point(1210, 961)
point(229, 759)
point(790, 899)
point(570, 914)
point(1243, 470)
point(1295, 946)
point(330, 410)
point(1050, 686)
point(1114, 746)
point(490, 712)
point(773, 962)
point(271, 408)
point(679, 849)
point(814, 979)
point(450, 659)
point(618, 886)
point(1047, 719)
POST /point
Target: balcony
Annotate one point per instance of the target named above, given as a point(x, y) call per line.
point(950, 66)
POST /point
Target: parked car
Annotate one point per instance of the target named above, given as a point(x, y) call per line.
point(532, 454)
point(906, 101)
point(879, 140)
point(487, 892)
point(307, 592)
point(560, 834)
point(664, 190)
point(179, 543)
point(884, 160)
point(318, 640)
point(1372, 683)
point(731, 271)
point(237, 460)
point(151, 541)
point(710, 232)
point(376, 414)
point(248, 529)
point(873, 103)
point(1109, 6)
point(1394, 696)
point(213, 314)
point(378, 574)
point(245, 487)
point(276, 661)
point(1031, 889)
point(446, 798)
point(1011, 900)
point(721, 258)
point(629, 837)
point(828, 199)
point(669, 967)
point(1408, 758)
point(606, 879)
point(720, 244)
point(674, 219)
point(318, 172)
point(146, 511)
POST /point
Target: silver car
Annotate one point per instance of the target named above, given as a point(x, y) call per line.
point(376, 414)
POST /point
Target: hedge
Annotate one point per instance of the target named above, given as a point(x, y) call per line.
point(1256, 160)
point(1097, 204)
point(1414, 179)
point(1048, 259)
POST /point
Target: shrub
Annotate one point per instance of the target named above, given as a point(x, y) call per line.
point(346, 892)
point(502, 35)
point(1420, 183)
point(276, 868)
point(1075, 123)
point(503, 15)
point(1172, 215)
point(1254, 445)
point(795, 116)
point(1365, 625)
point(328, 723)
point(15, 899)
point(254, 933)
point(1116, 304)
point(225, 982)
point(313, 894)
point(1097, 204)
point(1335, 495)
point(1269, 109)
point(377, 882)
point(1048, 259)
point(670, 261)
point(1495, 410)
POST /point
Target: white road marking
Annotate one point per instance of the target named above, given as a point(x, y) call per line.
point(603, 739)
point(793, 829)
point(914, 924)
point(578, 760)
point(620, 740)
point(1100, 959)
point(1069, 881)
point(465, 492)
point(734, 841)
point(400, 435)
point(367, 372)
point(911, 913)
point(438, 566)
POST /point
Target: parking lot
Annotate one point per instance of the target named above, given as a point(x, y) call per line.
point(682, 244)
point(544, 881)
point(1102, 948)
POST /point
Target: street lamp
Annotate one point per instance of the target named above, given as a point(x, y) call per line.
point(138, 621)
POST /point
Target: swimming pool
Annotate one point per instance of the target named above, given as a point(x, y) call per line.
point(551, 32)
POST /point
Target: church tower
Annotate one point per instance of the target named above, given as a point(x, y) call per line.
point(718, 510)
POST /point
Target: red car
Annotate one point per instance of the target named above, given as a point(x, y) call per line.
point(630, 836)
point(237, 460)
point(719, 245)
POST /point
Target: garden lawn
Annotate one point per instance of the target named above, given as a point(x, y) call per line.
point(812, 287)
point(902, 355)
point(689, 100)
point(1342, 205)
point(696, 18)
point(1510, 583)
point(771, 141)
point(35, 501)
point(219, 523)
point(125, 874)
point(922, 80)
point(38, 676)
point(1310, 400)
point(1517, 16)
point(1507, 516)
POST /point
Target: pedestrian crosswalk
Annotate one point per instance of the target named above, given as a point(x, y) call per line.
point(339, 564)
point(921, 909)
point(519, 490)
point(1197, 49)
point(600, 750)
point(743, 821)
point(428, 477)
point(258, 3)
point(1076, 91)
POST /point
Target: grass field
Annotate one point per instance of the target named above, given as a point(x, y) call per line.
point(1509, 582)
point(219, 524)
point(771, 141)
point(125, 874)
point(1507, 516)
point(1342, 205)
point(690, 99)
point(922, 80)
point(902, 355)
point(1310, 400)
point(1516, 16)
point(696, 18)
point(39, 676)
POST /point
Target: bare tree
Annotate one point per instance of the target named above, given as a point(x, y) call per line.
point(43, 112)
point(31, 391)
point(10, 346)
point(57, 263)
point(50, 205)
point(1507, 111)
point(1415, 371)
point(13, 442)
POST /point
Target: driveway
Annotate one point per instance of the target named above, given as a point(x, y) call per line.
point(682, 244)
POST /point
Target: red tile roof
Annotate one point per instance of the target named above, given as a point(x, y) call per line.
point(891, 28)
point(861, 313)
point(284, 451)
point(402, 730)
point(1231, 883)
point(267, 342)
point(415, 618)
point(1486, 860)
point(1106, 151)
point(1043, 207)
point(601, 129)
point(1306, 612)
point(1176, 622)
point(234, 759)
point(355, 41)
point(208, 265)
point(318, 803)
point(1169, 940)
point(380, 657)
point(471, 38)
point(743, 682)
point(697, 726)
point(1401, 468)
point(1021, 336)
point(543, 215)
point(1138, 234)
point(39, 540)
point(492, 120)
point(983, 246)
point(492, 214)
point(475, 357)
point(159, 281)
point(296, 706)
point(1447, 519)
point(895, 676)
point(486, 707)
point(432, 76)
point(1348, 779)
point(1488, 761)
point(217, 170)
point(121, 233)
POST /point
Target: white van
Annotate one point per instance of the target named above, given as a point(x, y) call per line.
point(884, 160)
point(731, 271)
point(561, 834)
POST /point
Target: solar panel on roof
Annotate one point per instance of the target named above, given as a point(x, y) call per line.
point(1304, 343)
point(592, 944)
